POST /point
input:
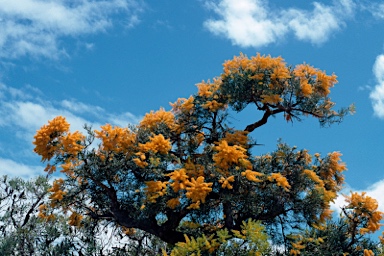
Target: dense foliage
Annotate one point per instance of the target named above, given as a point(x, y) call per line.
point(185, 175)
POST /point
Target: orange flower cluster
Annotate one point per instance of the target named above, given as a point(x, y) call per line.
point(197, 191)
point(364, 206)
point(227, 156)
point(296, 247)
point(226, 182)
point(239, 138)
point(71, 143)
point(251, 175)
point(75, 219)
point(54, 139)
point(43, 213)
point(208, 89)
point(154, 119)
point(156, 144)
point(69, 165)
point(155, 189)
point(56, 193)
point(47, 139)
point(271, 99)
point(183, 105)
point(280, 180)
point(140, 161)
point(259, 64)
point(313, 176)
point(213, 105)
point(331, 173)
point(173, 203)
point(116, 139)
point(193, 170)
point(328, 197)
point(179, 179)
point(314, 80)
point(368, 253)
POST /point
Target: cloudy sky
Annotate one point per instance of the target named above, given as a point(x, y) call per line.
point(111, 61)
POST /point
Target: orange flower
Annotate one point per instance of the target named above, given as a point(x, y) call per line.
point(156, 144)
point(75, 219)
point(153, 119)
point(281, 181)
point(226, 182)
point(179, 179)
point(197, 189)
point(47, 139)
point(251, 175)
point(115, 139)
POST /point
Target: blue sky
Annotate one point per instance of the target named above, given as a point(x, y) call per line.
point(111, 61)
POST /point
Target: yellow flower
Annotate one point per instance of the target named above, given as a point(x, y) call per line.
point(47, 139)
point(368, 252)
point(251, 175)
point(156, 144)
point(154, 119)
point(213, 105)
point(183, 105)
point(197, 189)
point(313, 176)
point(271, 99)
point(207, 89)
point(227, 155)
point(155, 189)
point(173, 203)
point(306, 88)
point(179, 179)
point(57, 193)
point(239, 138)
point(226, 182)
point(75, 219)
point(116, 139)
point(281, 181)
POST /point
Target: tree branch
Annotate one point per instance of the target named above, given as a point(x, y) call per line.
point(263, 120)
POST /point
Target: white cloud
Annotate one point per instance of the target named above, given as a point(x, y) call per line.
point(12, 168)
point(246, 22)
point(376, 9)
point(315, 26)
point(35, 27)
point(251, 23)
point(377, 95)
point(80, 107)
point(24, 111)
point(27, 111)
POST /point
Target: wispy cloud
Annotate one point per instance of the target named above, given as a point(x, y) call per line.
point(377, 95)
point(377, 9)
point(36, 27)
point(12, 168)
point(251, 23)
point(25, 110)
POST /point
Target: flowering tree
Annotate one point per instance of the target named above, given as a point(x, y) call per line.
point(188, 172)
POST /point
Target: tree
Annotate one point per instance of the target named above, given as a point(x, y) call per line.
point(22, 231)
point(188, 172)
point(347, 235)
point(25, 231)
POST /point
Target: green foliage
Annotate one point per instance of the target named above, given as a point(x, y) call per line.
point(334, 239)
point(22, 232)
point(250, 240)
